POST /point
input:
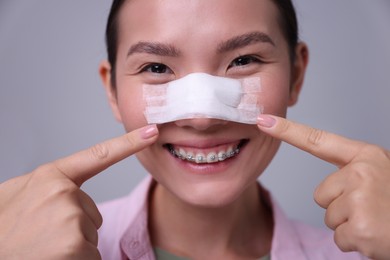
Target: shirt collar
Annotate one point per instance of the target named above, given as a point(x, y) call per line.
point(136, 244)
point(286, 243)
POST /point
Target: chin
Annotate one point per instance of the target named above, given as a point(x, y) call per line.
point(210, 195)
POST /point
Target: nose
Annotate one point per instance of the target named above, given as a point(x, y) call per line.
point(200, 124)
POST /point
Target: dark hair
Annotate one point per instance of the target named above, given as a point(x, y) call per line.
point(288, 22)
point(112, 36)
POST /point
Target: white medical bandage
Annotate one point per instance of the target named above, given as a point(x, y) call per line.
point(200, 95)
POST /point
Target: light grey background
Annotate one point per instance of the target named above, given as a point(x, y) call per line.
point(52, 102)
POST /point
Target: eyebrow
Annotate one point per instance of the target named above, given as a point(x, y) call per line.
point(155, 48)
point(243, 41)
point(236, 42)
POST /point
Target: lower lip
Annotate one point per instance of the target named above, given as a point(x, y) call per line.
point(205, 168)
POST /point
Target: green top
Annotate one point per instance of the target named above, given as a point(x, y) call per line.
point(165, 255)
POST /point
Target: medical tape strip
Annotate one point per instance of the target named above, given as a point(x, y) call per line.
point(200, 95)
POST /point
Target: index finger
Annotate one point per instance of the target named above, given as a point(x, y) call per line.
point(327, 146)
point(85, 164)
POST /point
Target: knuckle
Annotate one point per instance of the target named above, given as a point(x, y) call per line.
point(41, 174)
point(325, 192)
point(379, 152)
point(370, 149)
point(47, 177)
point(43, 170)
point(78, 248)
point(356, 198)
point(345, 245)
point(361, 228)
point(363, 235)
point(99, 151)
point(132, 141)
point(328, 220)
point(366, 148)
point(284, 127)
point(75, 217)
point(363, 172)
point(74, 246)
point(62, 187)
point(374, 151)
point(358, 235)
point(48, 170)
point(54, 188)
point(315, 137)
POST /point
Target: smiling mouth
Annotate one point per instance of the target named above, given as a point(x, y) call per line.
point(212, 156)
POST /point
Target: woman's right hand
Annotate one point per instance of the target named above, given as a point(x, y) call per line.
point(45, 214)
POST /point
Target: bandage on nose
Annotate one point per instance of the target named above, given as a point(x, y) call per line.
point(200, 95)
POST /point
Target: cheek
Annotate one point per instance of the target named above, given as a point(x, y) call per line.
point(275, 92)
point(131, 107)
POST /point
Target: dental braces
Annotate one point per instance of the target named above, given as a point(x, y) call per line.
point(203, 159)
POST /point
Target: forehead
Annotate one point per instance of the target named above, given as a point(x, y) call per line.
point(194, 21)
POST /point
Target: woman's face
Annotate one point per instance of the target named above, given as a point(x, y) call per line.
point(160, 41)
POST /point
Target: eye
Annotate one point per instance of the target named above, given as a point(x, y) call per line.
point(158, 68)
point(243, 61)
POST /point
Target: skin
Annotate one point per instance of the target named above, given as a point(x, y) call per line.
point(223, 206)
point(50, 196)
point(356, 196)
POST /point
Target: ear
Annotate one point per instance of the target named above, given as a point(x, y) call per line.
point(298, 72)
point(105, 75)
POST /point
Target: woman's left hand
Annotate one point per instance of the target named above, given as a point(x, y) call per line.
point(357, 196)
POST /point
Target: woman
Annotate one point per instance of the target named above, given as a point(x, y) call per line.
point(202, 211)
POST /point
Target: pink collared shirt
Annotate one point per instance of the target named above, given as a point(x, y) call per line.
point(124, 234)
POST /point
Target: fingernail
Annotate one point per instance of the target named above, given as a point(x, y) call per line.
point(266, 121)
point(149, 131)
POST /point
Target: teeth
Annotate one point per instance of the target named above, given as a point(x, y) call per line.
point(229, 152)
point(182, 154)
point(199, 158)
point(212, 157)
point(222, 156)
point(190, 157)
